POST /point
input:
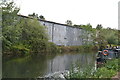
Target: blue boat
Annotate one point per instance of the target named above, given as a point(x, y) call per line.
point(107, 54)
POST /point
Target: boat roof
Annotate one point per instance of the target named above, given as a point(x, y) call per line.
point(118, 49)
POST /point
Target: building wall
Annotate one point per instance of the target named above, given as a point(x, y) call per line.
point(74, 36)
point(63, 34)
point(59, 34)
point(49, 27)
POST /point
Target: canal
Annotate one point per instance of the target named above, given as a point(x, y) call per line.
point(39, 66)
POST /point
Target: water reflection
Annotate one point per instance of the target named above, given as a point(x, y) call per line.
point(32, 67)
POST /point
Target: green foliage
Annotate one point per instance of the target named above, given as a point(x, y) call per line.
point(99, 35)
point(42, 17)
point(99, 27)
point(27, 32)
point(9, 13)
point(104, 73)
point(109, 70)
point(20, 49)
point(78, 48)
point(105, 36)
point(88, 34)
point(118, 37)
point(113, 64)
point(33, 34)
point(9, 17)
point(69, 22)
point(87, 27)
point(52, 48)
point(23, 35)
point(86, 72)
point(110, 35)
point(34, 15)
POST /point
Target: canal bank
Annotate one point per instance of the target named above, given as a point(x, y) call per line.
point(67, 65)
point(110, 70)
point(52, 49)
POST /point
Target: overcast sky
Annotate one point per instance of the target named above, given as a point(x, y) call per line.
point(95, 12)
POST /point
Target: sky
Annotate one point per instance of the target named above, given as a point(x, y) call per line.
point(95, 12)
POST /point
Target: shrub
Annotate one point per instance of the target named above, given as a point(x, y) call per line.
point(109, 70)
point(20, 49)
point(104, 73)
point(51, 47)
point(112, 64)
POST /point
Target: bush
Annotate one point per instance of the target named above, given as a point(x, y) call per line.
point(51, 48)
point(20, 49)
point(113, 64)
point(104, 73)
point(109, 70)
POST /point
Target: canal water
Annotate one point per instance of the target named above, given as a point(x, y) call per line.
point(39, 66)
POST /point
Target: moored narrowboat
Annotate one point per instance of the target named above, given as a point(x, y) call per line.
point(107, 54)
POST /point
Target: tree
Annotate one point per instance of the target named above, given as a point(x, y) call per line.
point(42, 17)
point(106, 36)
point(33, 15)
point(33, 34)
point(99, 26)
point(111, 36)
point(69, 22)
point(22, 34)
point(9, 19)
point(88, 34)
point(9, 13)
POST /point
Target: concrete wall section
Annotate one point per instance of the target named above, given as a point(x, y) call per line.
point(61, 34)
point(74, 36)
point(49, 27)
point(77, 35)
point(70, 36)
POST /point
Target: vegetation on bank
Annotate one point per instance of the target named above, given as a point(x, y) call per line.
point(81, 48)
point(23, 36)
point(109, 70)
point(100, 36)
